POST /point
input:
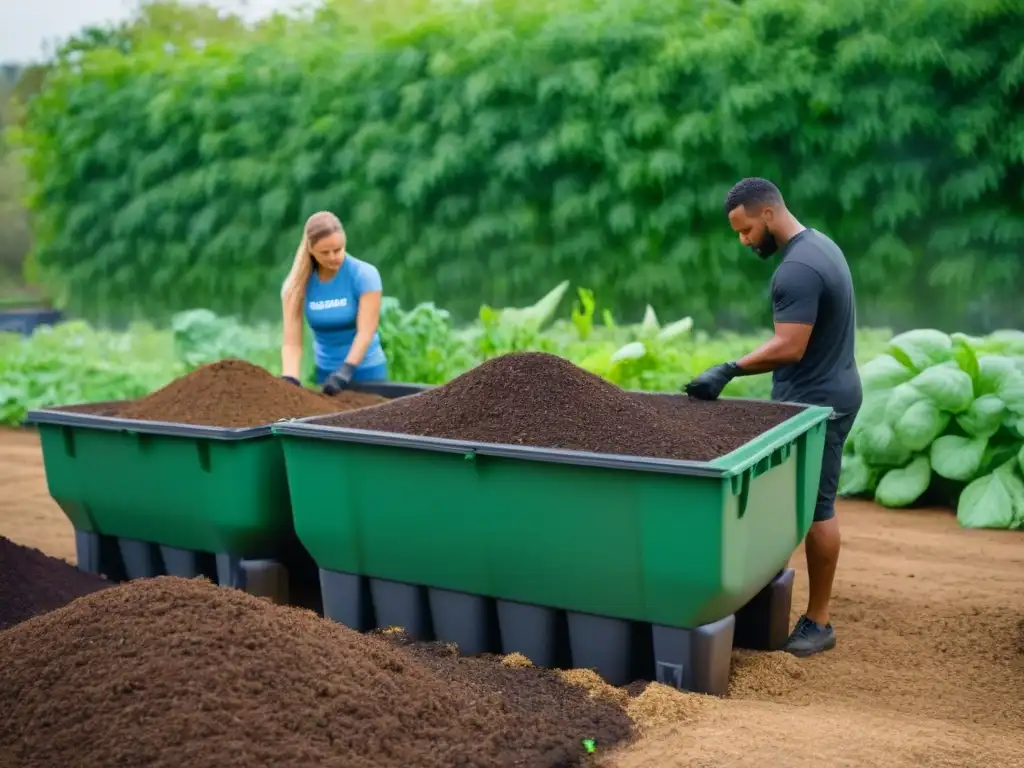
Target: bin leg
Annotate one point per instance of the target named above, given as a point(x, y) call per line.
point(763, 623)
point(141, 559)
point(229, 572)
point(88, 552)
point(100, 555)
point(265, 578)
point(180, 562)
point(463, 619)
point(698, 659)
point(346, 599)
point(531, 630)
point(602, 644)
point(401, 605)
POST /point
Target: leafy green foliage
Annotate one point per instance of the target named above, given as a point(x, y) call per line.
point(74, 363)
point(943, 411)
point(484, 147)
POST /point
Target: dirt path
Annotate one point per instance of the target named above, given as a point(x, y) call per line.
point(27, 513)
point(928, 673)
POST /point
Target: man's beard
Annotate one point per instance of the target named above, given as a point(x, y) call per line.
point(768, 246)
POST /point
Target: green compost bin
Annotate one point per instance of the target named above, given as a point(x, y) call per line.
point(674, 543)
point(204, 489)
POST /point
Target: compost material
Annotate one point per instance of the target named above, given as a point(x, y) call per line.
point(32, 583)
point(537, 399)
point(526, 690)
point(170, 672)
point(235, 393)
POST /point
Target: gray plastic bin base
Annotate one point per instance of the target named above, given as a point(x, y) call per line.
point(257, 577)
point(99, 555)
point(462, 619)
point(698, 659)
point(180, 562)
point(602, 644)
point(531, 630)
point(763, 623)
point(265, 578)
point(141, 559)
point(401, 605)
point(88, 552)
point(229, 571)
point(346, 600)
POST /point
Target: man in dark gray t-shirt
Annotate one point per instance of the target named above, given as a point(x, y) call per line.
point(811, 359)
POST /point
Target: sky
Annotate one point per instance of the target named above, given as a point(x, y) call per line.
point(26, 26)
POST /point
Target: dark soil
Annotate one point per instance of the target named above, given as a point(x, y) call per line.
point(171, 672)
point(32, 583)
point(525, 690)
point(537, 399)
point(230, 393)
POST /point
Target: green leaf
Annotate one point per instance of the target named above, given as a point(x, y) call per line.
point(958, 458)
point(872, 436)
point(537, 316)
point(632, 351)
point(965, 357)
point(1001, 376)
point(984, 417)
point(949, 388)
point(879, 445)
point(884, 372)
point(996, 454)
point(903, 486)
point(675, 330)
point(583, 313)
point(920, 424)
point(900, 400)
point(650, 325)
point(921, 349)
point(993, 501)
point(857, 477)
point(1008, 342)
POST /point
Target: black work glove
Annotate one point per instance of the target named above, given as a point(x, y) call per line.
point(292, 380)
point(709, 385)
point(339, 380)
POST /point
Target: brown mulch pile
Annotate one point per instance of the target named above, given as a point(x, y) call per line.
point(232, 393)
point(32, 583)
point(170, 672)
point(537, 399)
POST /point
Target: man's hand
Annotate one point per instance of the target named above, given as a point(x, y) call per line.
point(709, 385)
point(339, 380)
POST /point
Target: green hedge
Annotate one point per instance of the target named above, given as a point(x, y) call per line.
point(489, 148)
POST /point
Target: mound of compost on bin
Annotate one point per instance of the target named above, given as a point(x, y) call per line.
point(170, 672)
point(32, 583)
point(235, 393)
point(537, 399)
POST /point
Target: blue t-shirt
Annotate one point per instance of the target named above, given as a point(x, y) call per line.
point(331, 310)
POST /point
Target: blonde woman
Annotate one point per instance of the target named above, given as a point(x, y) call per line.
point(339, 296)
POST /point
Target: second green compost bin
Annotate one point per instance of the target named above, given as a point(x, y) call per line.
point(673, 543)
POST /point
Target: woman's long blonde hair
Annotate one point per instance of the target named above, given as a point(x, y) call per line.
point(318, 226)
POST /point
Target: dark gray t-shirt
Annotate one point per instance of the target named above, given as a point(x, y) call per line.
point(813, 286)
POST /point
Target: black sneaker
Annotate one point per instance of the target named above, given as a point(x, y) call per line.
point(809, 638)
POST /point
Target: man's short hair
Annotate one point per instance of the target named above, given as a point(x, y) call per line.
point(752, 193)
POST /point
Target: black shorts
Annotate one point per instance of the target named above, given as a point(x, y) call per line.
point(839, 425)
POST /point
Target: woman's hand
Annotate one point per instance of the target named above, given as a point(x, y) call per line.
point(339, 380)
